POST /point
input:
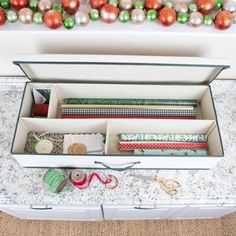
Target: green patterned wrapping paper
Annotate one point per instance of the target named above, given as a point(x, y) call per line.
point(112, 101)
point(164, 137)
point(170, 152)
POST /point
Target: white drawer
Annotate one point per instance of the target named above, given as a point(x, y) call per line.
point(119, 77)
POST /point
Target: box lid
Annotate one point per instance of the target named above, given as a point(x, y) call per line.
point(120, 68)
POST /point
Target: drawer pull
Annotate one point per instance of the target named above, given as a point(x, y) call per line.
point(129, 165)
point(43, 209)
point(145, 208)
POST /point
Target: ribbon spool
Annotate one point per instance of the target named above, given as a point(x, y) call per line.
point(40, 110)
point(78, 178)
point(56, 181)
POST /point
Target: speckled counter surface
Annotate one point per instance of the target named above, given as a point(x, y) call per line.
point(25, 186)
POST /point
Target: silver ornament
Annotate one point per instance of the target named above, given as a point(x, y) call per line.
point(181, 7)
point(230, 6)
point(195, 19)
point(137, 16)
point(126, 4)
point(82, 18)
point(12, 16)
point(44, 5)
point(25, 15)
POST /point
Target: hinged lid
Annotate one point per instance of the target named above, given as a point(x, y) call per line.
point(120, 69)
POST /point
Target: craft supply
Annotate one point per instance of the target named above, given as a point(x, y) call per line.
point(82, 18)
point(34, 137)
point(153, 4)
point(2, 17)
point(25, 15)
point(125, 117)
point(41, 96)
point(82, 181)
point(170, 152)
point(170, 186)
point(40, 110)
point(205, 6)
point(160, 107)
point(223, 20)
point(160, 145)
point(83, 144)
point(53, 19)
point(137, 16)
point(57, 181)
point(109, 13)
point(164, 137)
point(97, 4)
point(44, 146)
point(167, 16)
point(131, 101)
point(70, 6)
point(77, 148)
point(127, 112)
point(18, 4)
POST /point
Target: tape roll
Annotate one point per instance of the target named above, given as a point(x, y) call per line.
point(78, 177)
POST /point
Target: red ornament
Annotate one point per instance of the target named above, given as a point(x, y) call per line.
point(18, 4)
point(2, 16)
point(109, 13)
point(167, 16)
point(70, 6)
point(223, 20)
point(97, 3)
point(52, 19)
point(153, 4)
point(205, 6)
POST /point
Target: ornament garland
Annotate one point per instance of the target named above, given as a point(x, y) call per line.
point(70, 12)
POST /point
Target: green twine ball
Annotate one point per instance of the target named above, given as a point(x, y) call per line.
point(94, 14)
point(5, 4)
point(38, 18)
point(69, 23)
point(218, 4)
point(168, 4)
point(11, 16)
point(139, 5)
point(151, 15)
point(208, 20)
point(124, 16)
point(33, 5)
point(114, 3)
point(182, 17)
point(193, 8)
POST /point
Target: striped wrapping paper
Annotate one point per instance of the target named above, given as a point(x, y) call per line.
point(170, 152)
point(131, 101)
point(125, 117)
point(164, 137)
point(159, 145)
point(127, 112)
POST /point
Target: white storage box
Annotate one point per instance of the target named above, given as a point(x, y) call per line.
point(103, 76)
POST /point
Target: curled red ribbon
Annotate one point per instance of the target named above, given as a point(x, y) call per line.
point(107, 182)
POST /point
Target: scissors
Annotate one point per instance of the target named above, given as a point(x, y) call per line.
point(170, 186)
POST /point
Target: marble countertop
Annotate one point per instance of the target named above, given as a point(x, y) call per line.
point(25, 186)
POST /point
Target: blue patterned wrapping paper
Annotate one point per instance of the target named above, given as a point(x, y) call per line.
point(170, 152)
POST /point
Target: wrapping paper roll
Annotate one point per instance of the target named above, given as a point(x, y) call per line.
point(170, 152)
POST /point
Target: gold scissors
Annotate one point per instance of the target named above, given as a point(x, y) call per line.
point(170, 186)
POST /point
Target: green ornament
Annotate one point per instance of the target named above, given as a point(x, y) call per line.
point(208, 20)
point(114, 3)
point(58, 8)
point(139, 5)
point(69, 22)
point(11, 16)
point(234, 20)
point(218, 4)
point(94, 14)
point(5, 4)
point(168, 4)
point(182, 17)
point(151, 15)
point(38, 18)
point(193, 8)
point(33, 5)
point(124, 16)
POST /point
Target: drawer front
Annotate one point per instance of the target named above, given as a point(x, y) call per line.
point(56, 213)
point(139, 212)
point(118, 162)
